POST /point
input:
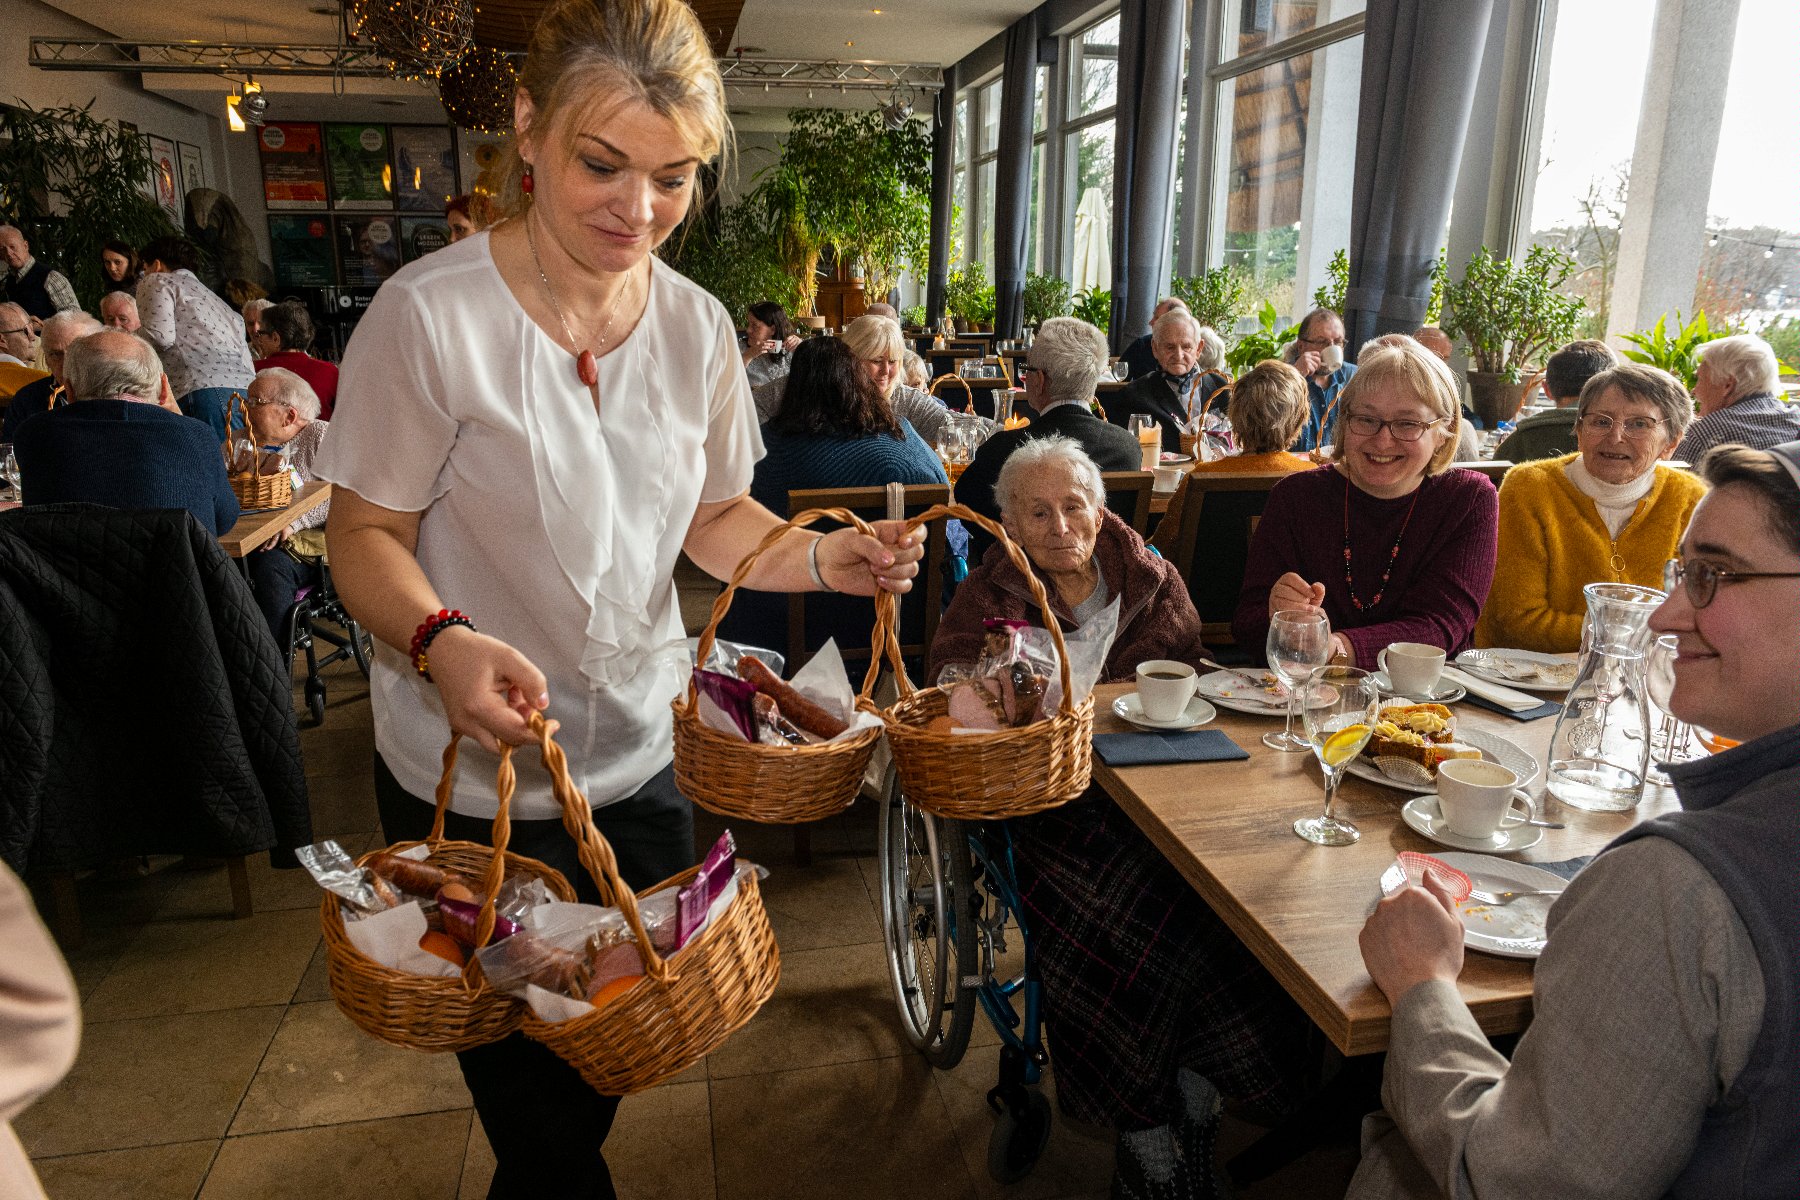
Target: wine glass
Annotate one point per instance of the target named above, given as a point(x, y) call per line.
point(1299, 644)
point(1659, 678)
point(9, 468)
point(1339, 709)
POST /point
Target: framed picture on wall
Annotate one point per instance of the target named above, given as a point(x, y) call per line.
point(165, 177)
point(193, 171)
point(362, 174)
point(424, 167)
point(368, 249)
point(481, 161)
point(303, 250)
point(419, 236)
point(293, 164)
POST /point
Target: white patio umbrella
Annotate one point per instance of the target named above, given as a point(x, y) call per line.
point(1093, 243)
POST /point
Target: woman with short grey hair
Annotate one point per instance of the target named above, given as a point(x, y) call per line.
point(1062, 452)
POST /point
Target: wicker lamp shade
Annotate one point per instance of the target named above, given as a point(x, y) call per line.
point(419, 38)
point(477, 90)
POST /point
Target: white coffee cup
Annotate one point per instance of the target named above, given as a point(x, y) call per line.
point(1165, 687)
point(1332, 357)
point(1477, 797)
point(1169, 478)
point(1412, 667)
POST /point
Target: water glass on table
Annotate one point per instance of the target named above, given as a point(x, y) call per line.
point(9, 470)
point(1671, 741)
point(1339, 708)
point(1299, 644)
point(1144, 428)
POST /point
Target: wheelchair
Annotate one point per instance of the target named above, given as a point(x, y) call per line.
point(949, 894)
point(318, 619)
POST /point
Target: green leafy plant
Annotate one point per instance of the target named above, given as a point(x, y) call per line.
point(69, 182)
point(1266, 341)
point(1440, 276)
point(1331, 293)
point(1214, 297)
point(778, 206)
point(1674, 352)
point(1095, 307)
point(726, 249)
point(1783, 337)
point(1046, 296)
point(1512, 315)
point(967, 293)
point(913, 316)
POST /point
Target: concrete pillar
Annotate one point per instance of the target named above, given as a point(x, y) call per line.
point(1661, 237)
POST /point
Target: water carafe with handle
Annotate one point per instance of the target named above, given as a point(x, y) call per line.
point(1600, 750)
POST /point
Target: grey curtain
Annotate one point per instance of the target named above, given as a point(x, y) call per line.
point(1144, 159)
point(1421, 62)
point(943, 122)
point(1012, 177)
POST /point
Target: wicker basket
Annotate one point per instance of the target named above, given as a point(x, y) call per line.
point(968, 392)
point(420, 1012)
point(254, 490)
point(684, 1009)
point(780, 785)
point(989, 776)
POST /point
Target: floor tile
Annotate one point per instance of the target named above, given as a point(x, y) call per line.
point(661, 1145)
point(401, 1158)
point(322, 1070)
point(150, 1082)
point(825, 904)
point(199, 964)
point(982, 1032)
point(343, 805)
point(870, 1130)
point(1070, 1163)
point(206, 892)
point(314, 985)
point(831, 1006)
point(478, 1164)
point(150, 1173)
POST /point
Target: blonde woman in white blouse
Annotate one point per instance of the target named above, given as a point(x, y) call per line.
point(532, 424)
point(199, 335)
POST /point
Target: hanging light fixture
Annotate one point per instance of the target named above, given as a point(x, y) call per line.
point(477, 90)
point(896, 111)
point(232, 117)
point(419, 39)
point(247, 107)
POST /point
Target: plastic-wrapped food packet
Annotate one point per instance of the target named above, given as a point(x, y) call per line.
point(696, 898)
point(335, 871)
point(730, 697)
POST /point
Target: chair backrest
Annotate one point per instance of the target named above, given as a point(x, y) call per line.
point(1494, 469)
point(919, 609)
point(1128, 493)
point(1218, 513)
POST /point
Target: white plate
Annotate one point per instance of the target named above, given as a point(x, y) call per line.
point(1493, 748)
point(1513, 930)
point(1131, 708)
point(1228, 690)
point(1442, 692)
point(1423, 816)
point(1481, 662)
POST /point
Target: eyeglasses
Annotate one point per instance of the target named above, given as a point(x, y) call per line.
point(10, 332)
point(1635, 429)
point(1701, 578)
point(1332, 341)
point(1403, 430)
point(1025, 369)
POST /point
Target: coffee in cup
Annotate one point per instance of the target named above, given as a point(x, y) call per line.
point(1164, 688)
point(1412, 667)
point(1477, 798)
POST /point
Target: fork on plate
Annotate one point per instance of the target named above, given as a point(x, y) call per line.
point(1481, 897)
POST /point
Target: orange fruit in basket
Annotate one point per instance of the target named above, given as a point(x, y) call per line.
point(444, 946)
point(614, 990)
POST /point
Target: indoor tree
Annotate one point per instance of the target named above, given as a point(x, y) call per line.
point(1215, 297)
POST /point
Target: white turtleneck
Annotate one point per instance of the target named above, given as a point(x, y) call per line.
point(1616, 501)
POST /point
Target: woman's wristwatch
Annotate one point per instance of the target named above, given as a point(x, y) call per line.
point(1342, 649)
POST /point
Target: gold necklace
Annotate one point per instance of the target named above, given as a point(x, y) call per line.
point(585, 364)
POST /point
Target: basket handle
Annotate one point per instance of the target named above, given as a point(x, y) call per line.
point(496, 872)
point(947, 376)
point(723, 604)
point(1019, 560)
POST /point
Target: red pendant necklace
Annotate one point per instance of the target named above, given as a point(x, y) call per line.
point(1393, 552)
point(586, 366)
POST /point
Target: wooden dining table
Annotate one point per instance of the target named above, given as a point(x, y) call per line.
point(253, 529)
point(1227, 828)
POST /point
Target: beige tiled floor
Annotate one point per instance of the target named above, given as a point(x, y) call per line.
point(214, 1065)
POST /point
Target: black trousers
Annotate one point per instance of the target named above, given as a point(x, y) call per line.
point(545, 1124)
point(275, 575)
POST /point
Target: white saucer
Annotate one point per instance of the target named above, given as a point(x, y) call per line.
point(1493, 747)
point(1483, 663)
point(1130, 708)
point(1423, 816)
point(1442, 692)
point(1515, 930)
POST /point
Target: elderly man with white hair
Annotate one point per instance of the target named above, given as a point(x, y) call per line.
point(283, 411)
point(60, 331)
point(118, 443)
point(1139, 359)
point(1738, 392)
point(1189, 372)
point(18, 344)
point(119, 310)
point(30, 284)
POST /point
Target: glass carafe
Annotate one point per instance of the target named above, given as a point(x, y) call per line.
point(1600, 750)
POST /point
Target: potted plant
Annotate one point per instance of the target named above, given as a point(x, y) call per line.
point(963, 290)
point(1095, 307)
point(1214, 297)
point(727, 250)
point(1510, 316)
point(1046, 296)
point(1674, 353)
point(1266, 341)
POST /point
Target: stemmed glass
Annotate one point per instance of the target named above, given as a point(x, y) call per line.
point(9, 469)
point(1299, 644)
point(1340, 708)
point(1659, 677)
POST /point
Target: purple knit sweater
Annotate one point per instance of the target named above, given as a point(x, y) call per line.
point(1440, 579)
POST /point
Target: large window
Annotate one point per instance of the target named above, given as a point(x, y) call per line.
point(1087, 153)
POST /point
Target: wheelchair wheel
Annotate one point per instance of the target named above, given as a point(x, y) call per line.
point(928, 909)
point(362, 646)
point(315, 701)
point(1020, 1134)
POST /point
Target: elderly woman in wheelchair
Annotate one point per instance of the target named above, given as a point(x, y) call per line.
point(1154, 1008)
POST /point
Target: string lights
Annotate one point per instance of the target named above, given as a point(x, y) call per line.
point(1768, 248)
point(419, 38)
point(477, 90)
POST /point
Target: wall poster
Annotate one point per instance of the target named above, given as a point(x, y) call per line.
point(303, 251)
point(362, 176)
point(193, 170)
point(163, 168)
point(419, 236)
point(424, 167)
point(481, 161)
point(368, 250)
point(293, 164)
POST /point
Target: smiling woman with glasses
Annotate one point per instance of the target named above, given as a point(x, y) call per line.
point(1610, 513)
point(1390, 542)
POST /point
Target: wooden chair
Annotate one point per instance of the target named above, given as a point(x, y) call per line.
point(1494, 469)
point(1128, 493)
point(1218, 512)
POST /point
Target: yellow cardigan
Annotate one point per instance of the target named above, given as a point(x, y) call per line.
point(1553, 543)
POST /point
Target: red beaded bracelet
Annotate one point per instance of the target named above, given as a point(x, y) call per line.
point(428, 630)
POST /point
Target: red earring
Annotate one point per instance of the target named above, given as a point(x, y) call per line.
point(526, 183)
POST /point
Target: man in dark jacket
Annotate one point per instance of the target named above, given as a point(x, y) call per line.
point(1188, 374)
point(119, 445)
point(30, 284)
point(60, 332)
point(1059, 376)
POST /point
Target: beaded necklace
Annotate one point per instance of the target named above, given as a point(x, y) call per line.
point(1393, 553)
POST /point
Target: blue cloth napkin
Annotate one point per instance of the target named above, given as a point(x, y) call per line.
point(1548, 708)
point(1147, 749)
point(1568, 868)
